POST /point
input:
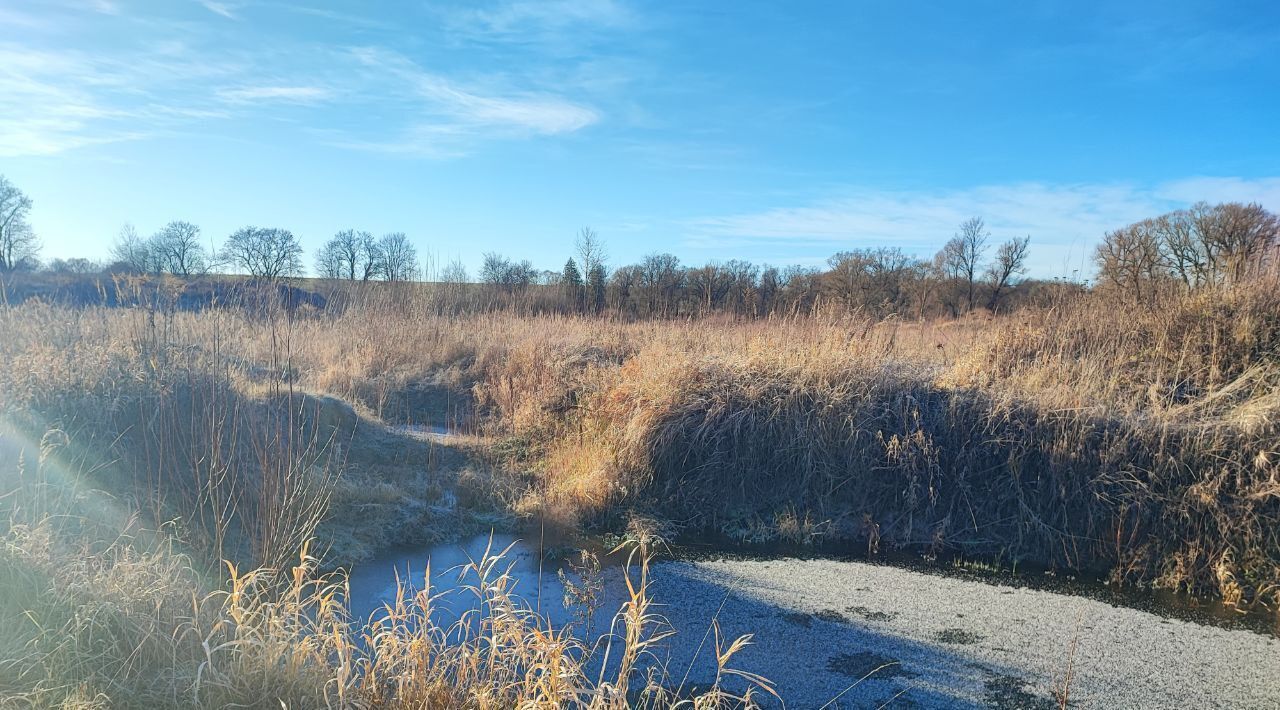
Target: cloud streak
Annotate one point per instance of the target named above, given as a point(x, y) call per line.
point(55, 114)
point(1064, 221)
point(449, 114)
point(289, 94)
point(73, 99)
point(72, 96)
point(219, 8)
point(539, 20)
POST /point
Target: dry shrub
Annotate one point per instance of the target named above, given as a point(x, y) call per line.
point(166, 412)
point(1147, 451)
point(116, 628)
point(1097, 352)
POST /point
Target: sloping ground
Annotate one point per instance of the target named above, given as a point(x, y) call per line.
point(1148, 450)
point(894, 461)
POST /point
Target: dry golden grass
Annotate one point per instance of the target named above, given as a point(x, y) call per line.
point(1089, 434)
point(98, 612)
point(119, 628)
point(176, 438)
point(1079, 434)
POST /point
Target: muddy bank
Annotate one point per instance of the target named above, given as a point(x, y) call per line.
point(821, 625)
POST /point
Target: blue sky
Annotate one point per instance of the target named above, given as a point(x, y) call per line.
point(778, 132)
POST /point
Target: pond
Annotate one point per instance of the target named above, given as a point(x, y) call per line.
point(534, 575)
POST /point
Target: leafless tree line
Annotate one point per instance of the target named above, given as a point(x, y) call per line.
point(177, 249)
point(1204, 246)
point(357, 256)
point(877, 281)
point(1199, 247)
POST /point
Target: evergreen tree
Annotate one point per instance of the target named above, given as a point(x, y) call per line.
point(572, 283)
point(595, 290)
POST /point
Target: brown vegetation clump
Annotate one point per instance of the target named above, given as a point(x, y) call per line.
point(1059, 438)
point(128, 625)
point(161, 413)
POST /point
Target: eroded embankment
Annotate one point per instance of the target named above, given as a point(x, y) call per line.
point(1167, 475)
point(896, 461)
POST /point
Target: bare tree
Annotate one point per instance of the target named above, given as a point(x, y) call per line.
point(962, 256)
point(743, 277)
point(74, 265)
point(873, 280)
point(510, 276)
point(710, 283)
point(131, 251)
point(18, 243)
point(494, 268)
point(1205, 245)
point(769, 289)
point(590, 248)
point(1179, 235)
point(455, 272)
point(350, 255)
point(661, 281)
point(1010, 263)
point(397, 258)
point(1240, 237)
point(328, 262)
point(592, 255)
point(1131, 260)
point(800, 287)
point(177, 248)
point(264, 252)
point(624, 285)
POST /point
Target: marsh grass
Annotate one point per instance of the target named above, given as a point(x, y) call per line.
point(116, 626)
point(140, 446)
point(1053, 436)
point(1090, 435)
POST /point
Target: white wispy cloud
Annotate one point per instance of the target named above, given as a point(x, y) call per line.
point(51, 135)
point(73, 95)
point(220, 8)
point(71, 98)
point(531, 20)
point(292, 94)
point(450, 112)
point(106, 7)
point(1265, 191)
point(344, 18)
point(539, 113)
point(55, 115)
point(1063, 221)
